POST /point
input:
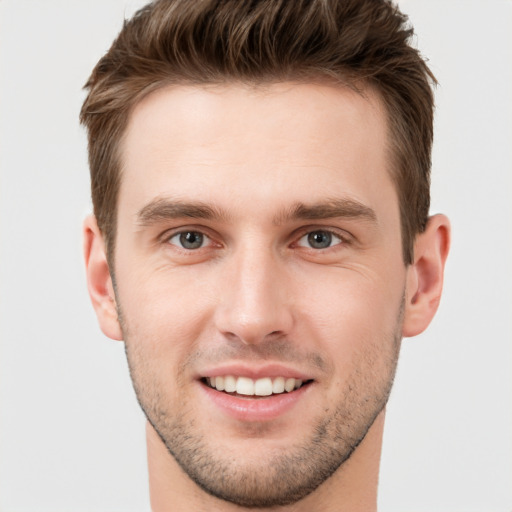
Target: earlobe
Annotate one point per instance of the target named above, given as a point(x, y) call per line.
point(99, 280)
point(425, 275)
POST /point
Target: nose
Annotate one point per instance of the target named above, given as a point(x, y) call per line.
point(255, 300)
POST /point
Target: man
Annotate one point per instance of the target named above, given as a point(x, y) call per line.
point(261, 241)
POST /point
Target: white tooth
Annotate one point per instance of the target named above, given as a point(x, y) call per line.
point(263, 387)
point(219, 383)
point(245, 386)
point(298, 384)
point(278, 385)
point(212, 381)
point(229, 384)
point(289, 385)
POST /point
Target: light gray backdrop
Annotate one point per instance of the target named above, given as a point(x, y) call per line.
point(71, 434)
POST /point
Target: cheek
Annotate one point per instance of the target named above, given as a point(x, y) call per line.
point(355, 298)
point(164, 312)
point(352, 316)
point(359, 326)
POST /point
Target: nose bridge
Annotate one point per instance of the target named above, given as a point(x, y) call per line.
point(254, 302)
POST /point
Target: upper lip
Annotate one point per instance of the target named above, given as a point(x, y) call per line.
point(254, 372)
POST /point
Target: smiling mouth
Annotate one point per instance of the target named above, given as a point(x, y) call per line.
point(248, 387)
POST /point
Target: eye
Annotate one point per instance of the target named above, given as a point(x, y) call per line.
point(319, 239)
point(189, 240)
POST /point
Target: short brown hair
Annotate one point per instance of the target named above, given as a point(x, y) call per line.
point(256, 41)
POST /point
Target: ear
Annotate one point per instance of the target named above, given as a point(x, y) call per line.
point(425, 275)
point(99, 281)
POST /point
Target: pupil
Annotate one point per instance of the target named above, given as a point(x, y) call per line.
point(191, 240)
point(319, 239)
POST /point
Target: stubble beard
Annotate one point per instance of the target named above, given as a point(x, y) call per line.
point(290, 475)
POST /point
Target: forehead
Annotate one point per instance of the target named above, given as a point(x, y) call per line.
point(237, 143)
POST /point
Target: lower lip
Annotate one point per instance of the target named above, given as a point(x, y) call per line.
point(255, 409)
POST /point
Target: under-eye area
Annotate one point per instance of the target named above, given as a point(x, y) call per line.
point(245, 386)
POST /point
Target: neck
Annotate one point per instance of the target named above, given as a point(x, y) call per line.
point(352, 487)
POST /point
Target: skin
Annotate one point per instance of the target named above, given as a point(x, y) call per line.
point(256, 172)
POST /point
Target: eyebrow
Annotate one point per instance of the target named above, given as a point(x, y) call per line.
point(330, 209)
point(165, 209)
point(162, 209)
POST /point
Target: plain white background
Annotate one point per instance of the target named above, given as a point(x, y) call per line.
point(71, 434)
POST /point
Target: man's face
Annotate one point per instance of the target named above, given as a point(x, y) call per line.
point(259, 247)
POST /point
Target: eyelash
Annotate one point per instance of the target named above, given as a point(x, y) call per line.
point(333, 235)
point(180, 234)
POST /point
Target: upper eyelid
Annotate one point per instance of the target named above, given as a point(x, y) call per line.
point(340, 233)
point(173, 235)
point(169, 233)
point(331, 232)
